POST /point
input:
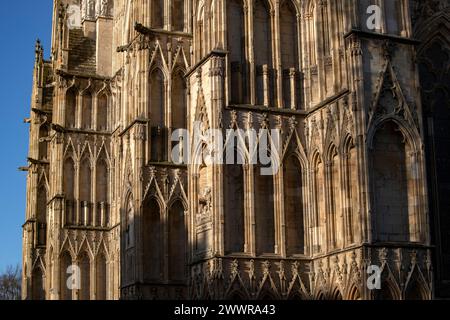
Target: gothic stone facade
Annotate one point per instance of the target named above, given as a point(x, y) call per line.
point(365, 145)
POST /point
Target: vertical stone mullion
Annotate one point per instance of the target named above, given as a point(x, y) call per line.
point(347, 203)
point(250, 50)
point(280, 222)
point(165, 232)
point(77, 202)
point(305, 61)
point(252, 217)
point(319, 48)
point(340, 215)
point(168, 15)
point(293, 85)
point(329, 213)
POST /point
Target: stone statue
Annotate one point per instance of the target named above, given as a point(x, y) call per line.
point(104, 10)
point(90, 9)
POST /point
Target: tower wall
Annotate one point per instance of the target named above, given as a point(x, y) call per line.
point(350, 191)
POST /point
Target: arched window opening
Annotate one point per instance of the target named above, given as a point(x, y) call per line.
point(85, 192)
point(264, 213)
point(414, 292)
point(85, 277)
point(65, 289)
point(321, 297)
point(352, 193)
point(177, 243)
point(86, 114)
point(435, 93)
point(102, 113)
point(101, 278)
point(236, 48)
point(153, 242)
point(129, 229)
point(158, 132)
point(289, 39)
point(179, 107)
point(69, 187)
point(325, 37)
point(234, 191)
point(263, 53)
point(293, 206)
point(71, 108)
point(38, 290)
point(177, 15)
point(157, 13)
point(43, 144)
point(50, 270)
point(337, 296)
point(319, 206)
point(41, 216)
point(354, 294)
point(390, 184)
point(385, 294)
point(394, 16)
point(336, 211)
point(102, 194)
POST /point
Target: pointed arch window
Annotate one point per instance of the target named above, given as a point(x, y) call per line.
point(102, 183)
point(38, 290)
point(153, 244)
point(43, 144)
point(69, 190)
point(101, 277)
point(66, 262)
point(234, 190)
point(86, 111)
point(157, 13)
point(264, 212)
point(294, 207)
point(263, 52)
point(289, 45)
point(41, 215)
point(129, 225)
point(157, 116)
point(179, 107)
point(85, 277)
point(177, 238)
point(178, 15)
point(395, 17)
point(351, 190)
point(334, 183)
point(391, 170)
point(71, 108)
point(236, 47)
point(85, 191)
point(319, 205)
point(102, 113)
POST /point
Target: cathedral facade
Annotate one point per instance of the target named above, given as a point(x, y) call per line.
point(357, 89)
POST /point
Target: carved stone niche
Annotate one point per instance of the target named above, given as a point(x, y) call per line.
point(204, 206)
point(104, 8)
point(88, 9)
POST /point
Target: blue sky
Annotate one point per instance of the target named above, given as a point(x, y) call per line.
point(21, 23)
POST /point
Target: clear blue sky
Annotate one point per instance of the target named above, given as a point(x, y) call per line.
point(21, 23)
